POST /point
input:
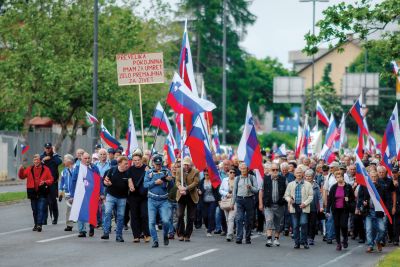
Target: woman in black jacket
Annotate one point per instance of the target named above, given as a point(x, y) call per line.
point(210, 197)
point(341, 201)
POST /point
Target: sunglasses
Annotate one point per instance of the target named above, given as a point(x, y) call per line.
point(232, 172)
point(274, 170)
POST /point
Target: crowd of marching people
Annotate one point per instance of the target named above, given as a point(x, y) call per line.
point(298, 198)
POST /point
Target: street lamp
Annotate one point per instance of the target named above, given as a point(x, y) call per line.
point(313, 56)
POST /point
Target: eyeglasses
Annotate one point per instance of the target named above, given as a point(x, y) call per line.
point(274, 170)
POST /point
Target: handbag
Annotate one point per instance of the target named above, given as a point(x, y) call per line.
point(225, 204)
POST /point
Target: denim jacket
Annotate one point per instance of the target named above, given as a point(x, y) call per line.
point(157, 191)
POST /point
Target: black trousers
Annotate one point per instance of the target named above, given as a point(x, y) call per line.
point(139, 216)
point(340, 219)
point(359, 229)
point(396, 227)
point(52, 202)
point(186, 202)
point(126, 214)
point(312, 224)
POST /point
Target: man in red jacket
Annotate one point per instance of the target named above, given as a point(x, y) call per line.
point(39, 179)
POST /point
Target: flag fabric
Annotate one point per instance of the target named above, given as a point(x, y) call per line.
point(358, 116)
point(230, 153)
point(360, 144)
point(201, 153)
point(342, 131)
point(24, 148)
point(396, 69)
point(332, 138)
point(363, 178)
point(161, 120)
point(86, 197)
point(184, 101)
point(299, 141)
point(327, 154)
point(391, 141)
point(281, 150)
point(215, 141)
point(185, 63)
point(249, 149)
point(108, 138)
point(91, 119)
point(208, 115)
point(321, 114)
point(131, 136)
point(170, 147)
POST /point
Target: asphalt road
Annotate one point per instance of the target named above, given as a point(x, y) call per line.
point(13, 188)
point(19, 246)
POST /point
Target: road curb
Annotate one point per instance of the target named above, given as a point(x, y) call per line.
point(7, 203)
point(11, 183)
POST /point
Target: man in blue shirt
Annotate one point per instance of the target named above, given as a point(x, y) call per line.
point(158, 180)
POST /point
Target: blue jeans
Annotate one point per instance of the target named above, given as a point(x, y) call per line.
point(111, 203)
point(244, 213)
point(299, 220)
point(330, 227)
point(39, 207)
point(164, 209)
point(209, 215)
point(375, 228)
point(82, 227)
point(218, 219)
point(174, 206)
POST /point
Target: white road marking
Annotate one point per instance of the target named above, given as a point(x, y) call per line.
point(199, 254)
point(16, 231)
point(55, 238)
point(23, 230)
point(340, 257)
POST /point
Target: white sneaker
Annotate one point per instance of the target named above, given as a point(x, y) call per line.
point(209, 235)
point(276, 243)
point(269, 243)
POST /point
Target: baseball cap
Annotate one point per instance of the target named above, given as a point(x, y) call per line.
point(48, 145)
point(187, 160)
point(395, 169)
point(157, 160)
point(98, 146)
point(334, 164)
point(111, 150)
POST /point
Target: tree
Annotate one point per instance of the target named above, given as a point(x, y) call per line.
point(46, 61)
point(360, 20)
point(325, 93)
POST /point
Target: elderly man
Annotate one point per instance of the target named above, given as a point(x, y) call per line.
point(299, 195)
point(64, 187)
point(388, 199)
point(244, 189)
point(289, 178)
point(271, 197)
point(187, 197)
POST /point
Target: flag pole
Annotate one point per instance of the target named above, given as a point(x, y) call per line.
point(141, 115)
point(182, 148)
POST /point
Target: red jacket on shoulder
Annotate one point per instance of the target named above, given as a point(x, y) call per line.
point(36, 176)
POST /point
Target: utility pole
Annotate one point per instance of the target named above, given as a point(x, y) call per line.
point(224, 75)
point(95, 65)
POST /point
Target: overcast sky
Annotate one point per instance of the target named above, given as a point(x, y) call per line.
point(280, 26)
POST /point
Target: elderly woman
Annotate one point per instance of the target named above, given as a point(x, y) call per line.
point(316, 206)
point(226, 192)
point(341, 201)
point(64, 187)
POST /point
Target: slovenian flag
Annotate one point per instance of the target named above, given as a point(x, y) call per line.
point(86, 196)
point(249, 149)
point(391, 141)
point(160, 119)
point(91, 119)
point(200, 150)
point(24, 148)
point(362, 178)
point(130, 136)
point(358, 116)
point(332, 138)
point(321, 114)
point(215, 141)
point(170, 147)
point(108, 138)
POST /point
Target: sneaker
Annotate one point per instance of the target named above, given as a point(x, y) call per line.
point(68, 229)
point(223, 233)
point(187, 239)
point(276, 242)
point(82, 234)
point(166, 240)
point(54, 221)
point(181, 238)
point(34, 228)
point(228, 239)
point(147, 239)
point(136, 240)
point(338, 247)
point(105, 237)
point(217, 232)
point(238, 241)
point(39, 228)
point(269, 243)
point(119, 239)
point(209, 235)
point(306, 246)
point(378, 246)
point(155, 244)
point(296, 246)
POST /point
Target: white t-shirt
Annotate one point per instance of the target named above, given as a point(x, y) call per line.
point(330, 180)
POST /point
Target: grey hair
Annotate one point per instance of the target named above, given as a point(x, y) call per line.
point(69, 157)
point(309, 172)
point(284, 166)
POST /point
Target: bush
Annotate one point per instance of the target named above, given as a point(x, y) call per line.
point(267, 140)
